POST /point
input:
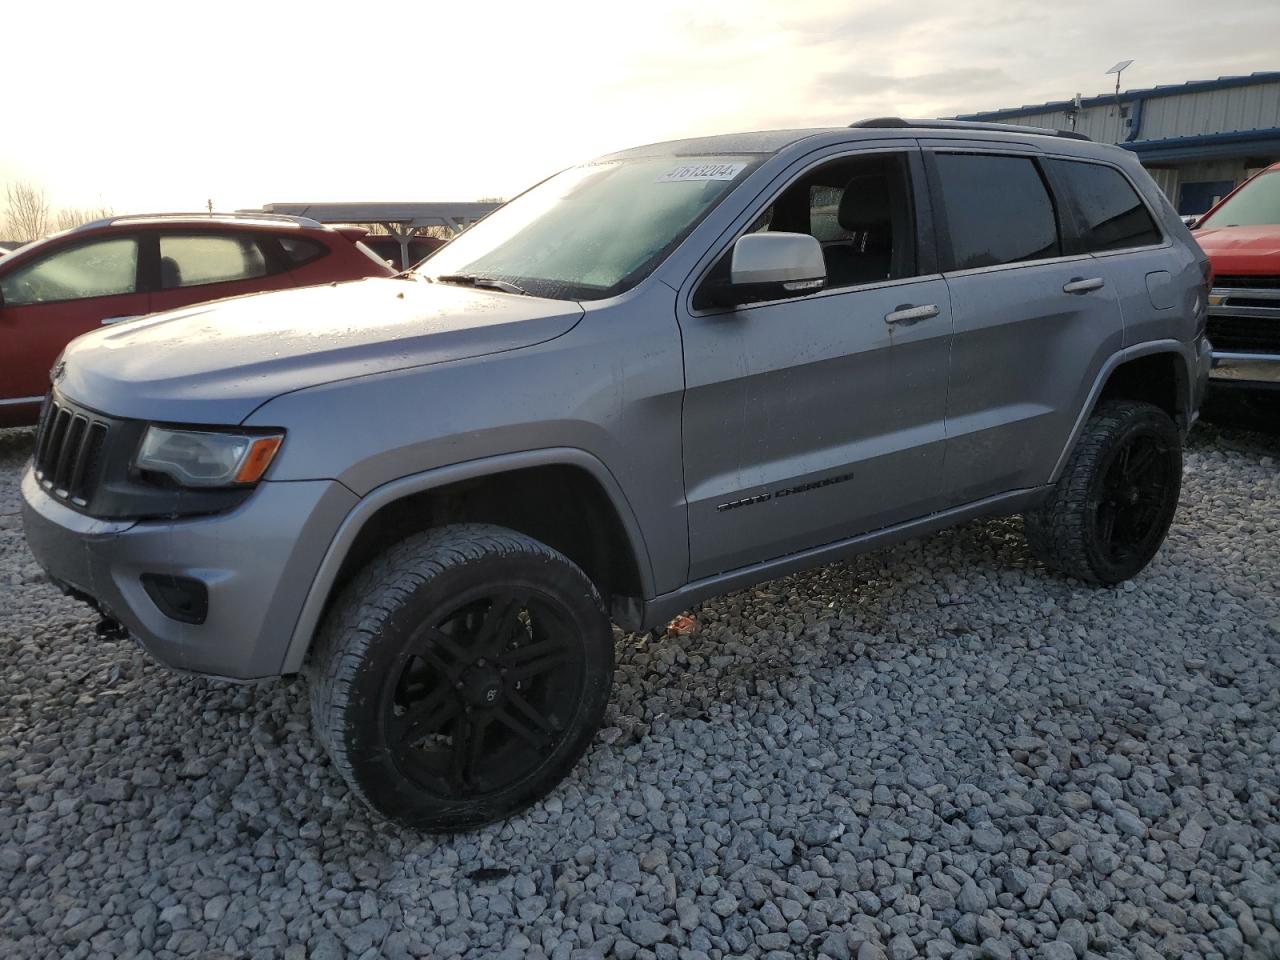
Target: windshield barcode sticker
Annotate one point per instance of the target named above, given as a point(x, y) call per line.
point(702, 171)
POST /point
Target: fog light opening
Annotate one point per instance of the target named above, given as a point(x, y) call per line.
point(179, 598)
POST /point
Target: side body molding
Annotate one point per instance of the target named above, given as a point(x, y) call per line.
point(379, 497)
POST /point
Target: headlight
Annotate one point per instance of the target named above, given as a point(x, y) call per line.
point(206, 459)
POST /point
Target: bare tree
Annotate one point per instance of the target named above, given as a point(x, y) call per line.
point(69, 217)
point(26, 211)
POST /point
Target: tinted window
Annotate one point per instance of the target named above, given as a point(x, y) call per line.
point(99, 268)
point(299, 250)
point(997, 209)
point(1111, 214)
point(187, 261)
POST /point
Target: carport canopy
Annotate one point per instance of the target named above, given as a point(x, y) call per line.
point(401, 220)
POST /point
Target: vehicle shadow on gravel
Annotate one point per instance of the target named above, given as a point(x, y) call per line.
point(944, 708)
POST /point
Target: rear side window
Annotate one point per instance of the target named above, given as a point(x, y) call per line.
point(195, 259)
point(997, 210)
point(100, 268)
point(300, 250)
point(1110, 213)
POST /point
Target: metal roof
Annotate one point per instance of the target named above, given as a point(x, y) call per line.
point(408, 213)
point(1161, 90)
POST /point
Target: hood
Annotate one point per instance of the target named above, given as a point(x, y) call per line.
point(1241, 250)
point(217, 362)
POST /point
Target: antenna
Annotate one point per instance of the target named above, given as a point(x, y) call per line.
point(1118, 69)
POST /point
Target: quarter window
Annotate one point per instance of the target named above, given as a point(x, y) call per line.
point(998, 210)
point(188, 261)
point(1111, 214)
point(100, 268)
point(299, 250)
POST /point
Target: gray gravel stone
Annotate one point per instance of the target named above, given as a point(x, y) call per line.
point(937, 750)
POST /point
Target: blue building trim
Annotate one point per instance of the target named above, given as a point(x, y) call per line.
point(1208, 146)
point(1164, 90)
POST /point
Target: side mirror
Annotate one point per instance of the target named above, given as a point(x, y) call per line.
point(772, 266)
point(1192, 220)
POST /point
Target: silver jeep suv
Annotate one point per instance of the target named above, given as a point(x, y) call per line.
point(659, 376)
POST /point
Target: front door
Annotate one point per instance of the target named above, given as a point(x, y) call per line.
point(810, 420)
point(51, 300)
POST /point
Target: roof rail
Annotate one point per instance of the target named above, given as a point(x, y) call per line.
point(203, 215)
point(899, 122)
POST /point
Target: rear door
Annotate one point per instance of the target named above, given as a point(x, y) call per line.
point(194, 266)
point(1033, 322)
point(811, 420)
point(1151, 275)
point(50, 300)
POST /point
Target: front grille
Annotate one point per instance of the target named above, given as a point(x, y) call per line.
point(1248, 283)
point(1244, 314)
point(1244, 334)
point(69, 447)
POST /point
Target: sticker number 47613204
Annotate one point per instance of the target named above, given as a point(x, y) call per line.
point(702, 171)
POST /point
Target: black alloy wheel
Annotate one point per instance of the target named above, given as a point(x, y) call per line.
point(486, 692)
point(461, 675)
point(1107, 514)
point(1134, 495)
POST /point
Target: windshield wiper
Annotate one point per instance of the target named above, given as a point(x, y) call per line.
point(472, 280)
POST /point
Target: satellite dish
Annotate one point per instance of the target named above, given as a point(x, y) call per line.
point(1118, 67)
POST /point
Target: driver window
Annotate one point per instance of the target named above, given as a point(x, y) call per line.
point(859, 210)
point(100, 268)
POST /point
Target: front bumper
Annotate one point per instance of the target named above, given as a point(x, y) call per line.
point(1246, 369)
point(257, 563)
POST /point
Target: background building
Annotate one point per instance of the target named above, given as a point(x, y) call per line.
point(1199, 139)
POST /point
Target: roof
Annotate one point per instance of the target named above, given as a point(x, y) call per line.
point(1161, 90)
point(760, 141)
point(773, 141)
point(256, 218)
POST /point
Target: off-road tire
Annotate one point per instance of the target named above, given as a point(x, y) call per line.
point(365, 636)
point(1064, 531)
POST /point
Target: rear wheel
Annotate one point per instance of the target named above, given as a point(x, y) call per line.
point(1110, 510)
point(461, 676)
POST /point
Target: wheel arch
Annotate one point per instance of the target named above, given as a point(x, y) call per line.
point(1157, 372)
point(533, 492)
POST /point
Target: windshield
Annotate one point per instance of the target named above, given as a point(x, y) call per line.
point(594, 230)
point(1255, 204)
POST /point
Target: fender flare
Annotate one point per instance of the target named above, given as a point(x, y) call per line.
point(1185, 388)
point(322, 583)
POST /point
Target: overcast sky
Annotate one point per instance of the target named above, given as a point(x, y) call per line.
point(161, 106)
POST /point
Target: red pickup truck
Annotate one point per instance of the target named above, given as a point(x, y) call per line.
point(1241, 235)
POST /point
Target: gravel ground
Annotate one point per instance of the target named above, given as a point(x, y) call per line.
point(939, 750)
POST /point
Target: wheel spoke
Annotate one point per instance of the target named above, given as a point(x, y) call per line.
point(445, 644)
point(468, 749)
point(522, 705)
point(528, 662)
point(428, 715)
point(501, 622)
point(522, 728)
point(1139, 463)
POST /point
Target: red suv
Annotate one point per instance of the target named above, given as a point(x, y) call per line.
point(55, 289)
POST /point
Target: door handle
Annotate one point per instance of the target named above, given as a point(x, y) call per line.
point(908, 315)
point(109, 320)
point(1079, 285)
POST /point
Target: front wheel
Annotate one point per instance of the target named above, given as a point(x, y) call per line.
point(461, 676)
point(1110, 510)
